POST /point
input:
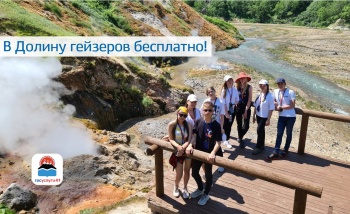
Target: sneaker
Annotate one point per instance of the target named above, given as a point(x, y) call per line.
point(227, 144)
point(284, 153)
point(204, 199)
point(241, 143)
point(221, 169)
point(257, 151)
point(273, 156)
point(196, 193)
point(185, 193)
point(176, 192)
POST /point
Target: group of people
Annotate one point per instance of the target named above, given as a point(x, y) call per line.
point(206, 128)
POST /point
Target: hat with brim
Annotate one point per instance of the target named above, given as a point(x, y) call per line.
point(243, 75)
point(263, 82)
point(227, 77)
point(192, 98)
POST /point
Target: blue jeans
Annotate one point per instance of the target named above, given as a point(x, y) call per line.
point(284, 123)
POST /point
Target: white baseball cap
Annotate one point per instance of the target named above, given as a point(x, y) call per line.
point(192, 98)
point(263, 82)
point(227, 77)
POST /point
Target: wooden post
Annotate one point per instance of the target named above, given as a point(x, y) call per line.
point(303, 132)
point(159, 172)
point(299, 202)
point(330, 210)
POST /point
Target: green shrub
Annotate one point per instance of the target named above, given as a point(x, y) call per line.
point(225, 26)
point(53, 8)
point(5, 210)
point(164, 81)
point(147, 101)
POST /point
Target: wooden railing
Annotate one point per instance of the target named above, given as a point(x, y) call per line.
point(305, 121)
point(302, 188)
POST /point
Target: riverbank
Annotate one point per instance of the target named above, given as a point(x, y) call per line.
point(322, 52)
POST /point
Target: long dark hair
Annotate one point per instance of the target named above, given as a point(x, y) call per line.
point(267, 92)
point(224, 87)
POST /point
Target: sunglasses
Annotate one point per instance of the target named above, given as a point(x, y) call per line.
point(182, 115)
point(206, 110)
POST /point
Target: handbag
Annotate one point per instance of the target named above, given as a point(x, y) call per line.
point(173, 160)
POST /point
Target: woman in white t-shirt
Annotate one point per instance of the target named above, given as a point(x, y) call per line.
point(264, 106)
point(193, 112)
point(229, 96)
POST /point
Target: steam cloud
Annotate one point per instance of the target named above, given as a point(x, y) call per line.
point(32, 118)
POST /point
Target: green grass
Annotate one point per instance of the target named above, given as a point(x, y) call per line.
point(137, 70)
point(225, 26)
point(104, 16)
point(24, 23)
point(53, 8)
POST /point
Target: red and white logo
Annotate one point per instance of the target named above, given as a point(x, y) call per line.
point(47, 169)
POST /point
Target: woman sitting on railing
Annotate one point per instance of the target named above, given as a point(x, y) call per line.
point(180, 132)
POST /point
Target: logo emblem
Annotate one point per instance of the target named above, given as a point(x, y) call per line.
point(47, 169)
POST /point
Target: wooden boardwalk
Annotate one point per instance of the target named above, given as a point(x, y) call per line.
point(235, 192)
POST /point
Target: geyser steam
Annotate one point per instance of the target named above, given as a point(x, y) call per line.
point(32, 118)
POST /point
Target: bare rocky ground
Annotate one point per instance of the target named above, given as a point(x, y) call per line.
point(325, 138)
point(310, 48)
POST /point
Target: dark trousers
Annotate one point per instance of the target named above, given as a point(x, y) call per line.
point(196, 165)
point(228, 125)
point(260, 131)
point(288, 124)
point(242, 124)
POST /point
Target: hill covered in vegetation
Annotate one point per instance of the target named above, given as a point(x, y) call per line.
point(112, 90)
point(303, 13)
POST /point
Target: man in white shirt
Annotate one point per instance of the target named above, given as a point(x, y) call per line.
point(284, 99)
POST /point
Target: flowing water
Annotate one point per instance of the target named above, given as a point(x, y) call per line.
point(254, 53)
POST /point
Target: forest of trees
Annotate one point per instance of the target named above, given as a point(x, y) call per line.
point(304, 13)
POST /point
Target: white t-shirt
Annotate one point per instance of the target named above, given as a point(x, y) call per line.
point(231, 96)
point(190, 120)
point(285, 98)
point(265, 105)
point(218, 108)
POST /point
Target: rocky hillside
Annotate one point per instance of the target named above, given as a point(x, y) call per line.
point(111, 90)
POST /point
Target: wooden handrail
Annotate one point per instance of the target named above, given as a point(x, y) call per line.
point(302, 188)
point(272, 177)
point(305, 121)
point(323, 115)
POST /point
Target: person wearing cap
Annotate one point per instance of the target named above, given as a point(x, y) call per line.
point(284, 100)
point(264, 106)
point(193, 112)
point(229, 97)
point(218, 114)
point(243, 111)
point(207, 133)
point(180, 133)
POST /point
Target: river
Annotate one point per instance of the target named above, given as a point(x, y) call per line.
point(254, 53)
